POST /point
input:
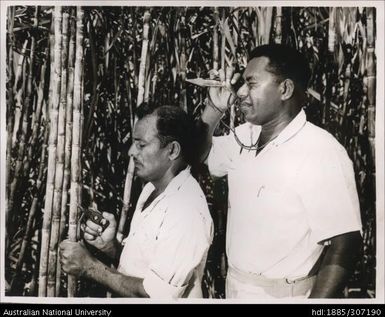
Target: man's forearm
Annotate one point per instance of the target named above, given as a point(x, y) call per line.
point(337, 265)
point(112, 250)
point(125, 286)
point(330, 281)
point(206, 126)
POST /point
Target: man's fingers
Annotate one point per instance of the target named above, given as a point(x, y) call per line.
point(110, 217)
point(93, 232)
point(222, 76)
point(213, 74)
point(235, 78)
point(93, 226)
point(229, 73)
point(64, 244)
point(89, 237)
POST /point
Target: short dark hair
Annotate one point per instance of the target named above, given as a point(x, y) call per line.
point(284, 62)
point(174, 124)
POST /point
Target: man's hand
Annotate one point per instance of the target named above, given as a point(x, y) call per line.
point(223, 97)
point(96, 236)
point(75, 258)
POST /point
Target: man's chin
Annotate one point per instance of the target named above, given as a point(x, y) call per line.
point(251, 119)
point(138, 173)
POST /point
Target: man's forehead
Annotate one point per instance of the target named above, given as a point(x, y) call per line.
point(256, 67)
point(145, 128)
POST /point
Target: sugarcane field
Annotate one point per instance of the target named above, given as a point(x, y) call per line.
point(75, 80)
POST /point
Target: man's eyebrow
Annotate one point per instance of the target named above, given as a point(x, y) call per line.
point(251, 77)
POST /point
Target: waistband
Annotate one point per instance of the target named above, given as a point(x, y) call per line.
point(260, 280)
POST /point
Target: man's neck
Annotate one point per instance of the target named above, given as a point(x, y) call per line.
point(273, 128)
point(161, 184)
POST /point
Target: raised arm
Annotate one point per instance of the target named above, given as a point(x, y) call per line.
point(220, 98)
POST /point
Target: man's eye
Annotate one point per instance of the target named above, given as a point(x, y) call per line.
point(252, 84)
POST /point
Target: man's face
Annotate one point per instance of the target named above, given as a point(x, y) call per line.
point(260, 96)
point(151, 160)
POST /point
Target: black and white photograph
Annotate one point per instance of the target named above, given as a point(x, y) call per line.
point(192, 152)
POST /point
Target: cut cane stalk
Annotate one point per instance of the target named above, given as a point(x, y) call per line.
point(206, 82)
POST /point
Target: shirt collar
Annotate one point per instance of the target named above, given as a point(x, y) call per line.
point(172, 187)
point(291, 129)
point(177, 182)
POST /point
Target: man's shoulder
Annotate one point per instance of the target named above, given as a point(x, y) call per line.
point(320, 137)
point(190, 190)
point(321, 142)
point(189, 198)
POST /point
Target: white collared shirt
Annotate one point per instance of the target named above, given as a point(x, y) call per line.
point(168, 241)
point(286, 201)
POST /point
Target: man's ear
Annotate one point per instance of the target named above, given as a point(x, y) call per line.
point(287, 89)
point(175, 150)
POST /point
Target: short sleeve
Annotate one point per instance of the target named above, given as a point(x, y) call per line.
point(328, 191)
point(226, 149)
point(182, 246)
point(220, 156)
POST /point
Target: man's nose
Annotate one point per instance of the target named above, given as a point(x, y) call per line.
point(132, 151)
point(242, 91)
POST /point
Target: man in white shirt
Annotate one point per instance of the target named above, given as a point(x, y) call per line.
point(294, 221)
point(165, 252)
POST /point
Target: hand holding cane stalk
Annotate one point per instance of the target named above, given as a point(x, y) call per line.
point(221, 91)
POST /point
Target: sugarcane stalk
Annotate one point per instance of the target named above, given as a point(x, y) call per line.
point(139, 100)
point(216, 40)
point(33, 286)
point(37, 122)
point(60, 156)
point(9, 114)
point(268, 16)
point(129, 175)
point(25, 126)
point(10, 72)
point(10, 98)
point(223, 41)
point(126, 199)
point(52, 144)
point(68, 140)
point(106, 50)
point(235, 33)
point(345, 35)
point(134, 56)
point(52, 71)
point(371, 78)
point(154, 81)
point(347, 78)
point(332, 29)
point(143, 58)
point(182, 61)
point(129, 96)
point(18, 93)
point(147, 84)
point(31, 215)
point(278, 26)
point(201, 82)
point(94, 95)
point(75, 189)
